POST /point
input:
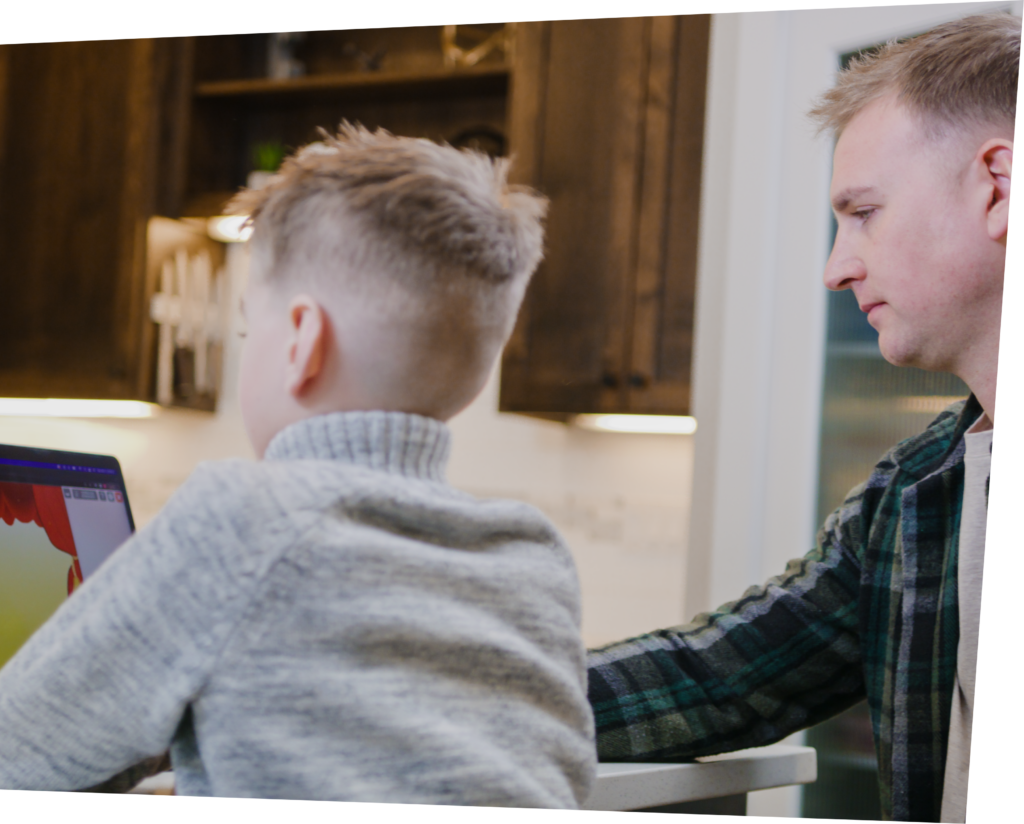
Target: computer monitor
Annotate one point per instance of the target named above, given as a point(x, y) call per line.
point(61, 515)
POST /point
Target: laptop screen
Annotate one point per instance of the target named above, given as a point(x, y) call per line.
point(61, 515)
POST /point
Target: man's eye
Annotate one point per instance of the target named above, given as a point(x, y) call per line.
point(863, 214)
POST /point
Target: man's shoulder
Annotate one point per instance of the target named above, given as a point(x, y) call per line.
point(926, 451)
point(906, 463)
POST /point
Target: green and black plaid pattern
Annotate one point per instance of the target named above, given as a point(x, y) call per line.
point(870, 612)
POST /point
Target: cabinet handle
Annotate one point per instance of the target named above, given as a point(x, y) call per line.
point(639, 381)
point(609, 380)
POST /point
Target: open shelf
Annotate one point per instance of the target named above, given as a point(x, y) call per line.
point(232, 107)
point(477, 80)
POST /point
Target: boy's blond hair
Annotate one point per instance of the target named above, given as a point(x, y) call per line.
point(424, 239)
point(958, 75)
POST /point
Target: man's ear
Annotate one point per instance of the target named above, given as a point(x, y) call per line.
point(996, 158)
point(307, 344)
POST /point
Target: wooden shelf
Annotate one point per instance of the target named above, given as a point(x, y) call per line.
point(477, 80)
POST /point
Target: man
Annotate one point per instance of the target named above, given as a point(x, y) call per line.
point(886, 605)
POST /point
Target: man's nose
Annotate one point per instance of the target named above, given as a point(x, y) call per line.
point(843, 267)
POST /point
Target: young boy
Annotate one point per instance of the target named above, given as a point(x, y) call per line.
point(335, 621)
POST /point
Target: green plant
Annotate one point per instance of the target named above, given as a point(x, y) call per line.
point(267, 156)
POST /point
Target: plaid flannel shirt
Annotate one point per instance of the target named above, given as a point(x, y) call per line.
point(870, 612)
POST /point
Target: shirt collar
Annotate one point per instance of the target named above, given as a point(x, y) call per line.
point(938, 444)
point(398, 442)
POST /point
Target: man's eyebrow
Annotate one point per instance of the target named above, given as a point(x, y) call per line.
point(843, 198)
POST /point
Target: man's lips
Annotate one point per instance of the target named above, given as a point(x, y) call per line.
point(867, 307)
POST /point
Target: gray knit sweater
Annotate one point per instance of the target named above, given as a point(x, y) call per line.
point(334, 622)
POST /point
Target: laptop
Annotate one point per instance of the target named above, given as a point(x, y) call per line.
point(61, 515)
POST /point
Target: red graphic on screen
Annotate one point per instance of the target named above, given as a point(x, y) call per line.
point(44, 506)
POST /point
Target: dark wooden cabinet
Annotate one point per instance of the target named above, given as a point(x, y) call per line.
point(82, 129)
point(607, 119)
point(98, 137)
point(603, 116)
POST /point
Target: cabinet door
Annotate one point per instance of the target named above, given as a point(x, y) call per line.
point(80, 134)
point(606, 118)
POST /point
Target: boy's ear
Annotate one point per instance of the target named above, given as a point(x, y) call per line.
point(996, 158)
point(307, 344)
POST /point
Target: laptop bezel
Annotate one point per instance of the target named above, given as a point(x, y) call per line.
point(59, 458)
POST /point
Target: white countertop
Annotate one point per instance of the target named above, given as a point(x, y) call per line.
point(628, 786)
point(633, 786)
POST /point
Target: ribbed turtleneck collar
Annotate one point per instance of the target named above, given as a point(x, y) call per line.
point(409, 445)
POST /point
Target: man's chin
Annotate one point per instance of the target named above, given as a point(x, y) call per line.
point(896, 354)
point(903, 355)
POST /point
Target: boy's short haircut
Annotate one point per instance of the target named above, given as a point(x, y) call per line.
point(401, 219)
point(958, 75)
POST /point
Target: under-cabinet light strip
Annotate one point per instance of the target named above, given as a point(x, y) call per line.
point(229, 228)
point(644, 424)
point(71, 408)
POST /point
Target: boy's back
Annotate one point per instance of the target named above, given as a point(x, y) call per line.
point(333, 623)
point(337, 622)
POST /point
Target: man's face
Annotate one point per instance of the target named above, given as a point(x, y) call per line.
point(913, 243)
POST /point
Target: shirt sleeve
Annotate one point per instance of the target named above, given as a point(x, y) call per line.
point(784, 657)
point(105, 682)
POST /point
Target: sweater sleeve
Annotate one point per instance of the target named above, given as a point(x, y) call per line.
point(105, 682)
point(785, 656)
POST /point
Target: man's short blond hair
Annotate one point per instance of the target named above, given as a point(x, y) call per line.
point(428, 242)
point(956, 76)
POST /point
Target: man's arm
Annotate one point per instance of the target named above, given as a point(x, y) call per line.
point(784, 657)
